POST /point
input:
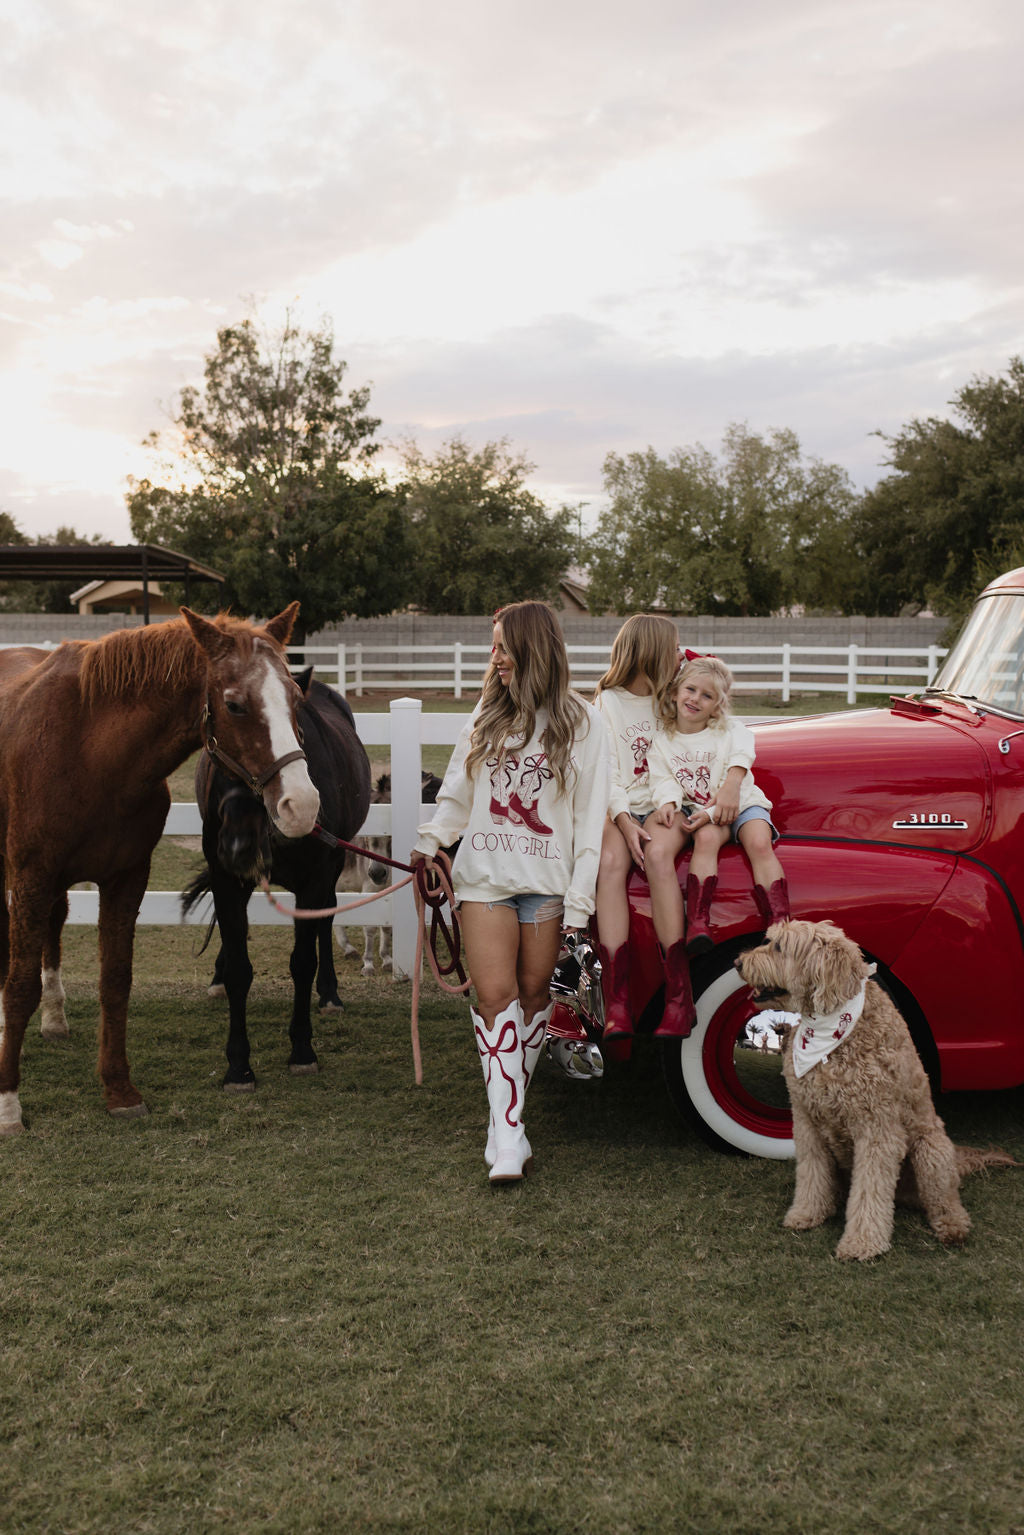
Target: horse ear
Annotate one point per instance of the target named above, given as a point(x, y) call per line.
point(206, 635)
point(303, 679)
point(280, 628)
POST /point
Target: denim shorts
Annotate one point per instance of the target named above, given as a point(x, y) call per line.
point(531, 907)
point(753, 813)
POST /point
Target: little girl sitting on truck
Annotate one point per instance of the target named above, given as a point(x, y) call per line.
point(691, 783)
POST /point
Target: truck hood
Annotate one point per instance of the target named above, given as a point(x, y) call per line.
point(916, 774)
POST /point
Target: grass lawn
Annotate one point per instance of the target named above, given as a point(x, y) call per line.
point(306, 1310)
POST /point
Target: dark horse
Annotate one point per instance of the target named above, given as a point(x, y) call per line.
point(88, 735)
point(241, 846)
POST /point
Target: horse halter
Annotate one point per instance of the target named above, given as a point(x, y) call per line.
point(253, 782)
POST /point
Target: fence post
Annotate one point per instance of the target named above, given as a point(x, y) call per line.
point(851, 676)
point(341, 668)
point(933, 663)
point(406, 797)
point(359, 671)
point(787, 659)
point(457, 662)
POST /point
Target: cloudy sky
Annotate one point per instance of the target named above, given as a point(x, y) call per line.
point(583, 225)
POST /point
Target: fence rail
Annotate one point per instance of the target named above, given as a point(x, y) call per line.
point(785, 669)
point(405, 729)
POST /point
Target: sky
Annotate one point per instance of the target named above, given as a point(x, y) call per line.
point(586, 227)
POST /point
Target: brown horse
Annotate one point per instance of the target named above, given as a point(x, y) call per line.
point(88, 734)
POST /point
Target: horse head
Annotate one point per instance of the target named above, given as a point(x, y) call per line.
point(249, 717)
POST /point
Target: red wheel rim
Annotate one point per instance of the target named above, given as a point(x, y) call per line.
point(723, 1080)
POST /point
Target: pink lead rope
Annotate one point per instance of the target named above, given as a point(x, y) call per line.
point(434, 890)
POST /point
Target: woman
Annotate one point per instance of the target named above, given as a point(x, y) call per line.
point(527, 791)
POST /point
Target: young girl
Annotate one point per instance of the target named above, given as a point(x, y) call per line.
point(700, 777)
point(527, 791)
point(644, 660)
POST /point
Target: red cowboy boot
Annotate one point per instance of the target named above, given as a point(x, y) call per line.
point(699, 895)
point(618, 1018)
point(527, 816)
point(679, 1017)
point(773, 903)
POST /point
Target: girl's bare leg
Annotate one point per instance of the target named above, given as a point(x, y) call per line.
point(756, 841)
point(660, 862)
point(707, 843)
point(613, 872)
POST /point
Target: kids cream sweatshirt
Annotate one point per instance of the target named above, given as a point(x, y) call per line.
point(519, 834)
point(690, 769)
point(632, 723)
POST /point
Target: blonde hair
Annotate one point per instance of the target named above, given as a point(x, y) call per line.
point(700, 666)
point(540, 680)
point(647, 645)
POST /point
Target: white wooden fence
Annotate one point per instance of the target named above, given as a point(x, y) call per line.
point(405, 730)
point(786, 669)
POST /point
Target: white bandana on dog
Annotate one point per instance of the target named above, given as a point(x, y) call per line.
point(819, 1033)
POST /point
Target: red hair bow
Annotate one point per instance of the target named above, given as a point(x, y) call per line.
point(699, 655)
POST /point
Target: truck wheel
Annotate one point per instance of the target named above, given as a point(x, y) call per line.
point(734, 1095)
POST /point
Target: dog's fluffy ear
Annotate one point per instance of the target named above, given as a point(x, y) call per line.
point(835, 969)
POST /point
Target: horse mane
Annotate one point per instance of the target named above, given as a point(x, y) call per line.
point(161, 658)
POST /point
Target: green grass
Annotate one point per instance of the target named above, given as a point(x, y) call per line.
point(305, 1310)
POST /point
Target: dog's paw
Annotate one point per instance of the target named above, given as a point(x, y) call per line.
point(952, 1230)
point(804, 1220)
point(851, 1251)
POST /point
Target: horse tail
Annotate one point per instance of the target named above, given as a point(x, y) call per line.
point(192, 895)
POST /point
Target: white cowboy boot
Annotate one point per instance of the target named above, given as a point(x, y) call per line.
point(501, 1056)
point(534, 1036)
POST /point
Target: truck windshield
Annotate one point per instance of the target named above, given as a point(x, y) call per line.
point(987, 662)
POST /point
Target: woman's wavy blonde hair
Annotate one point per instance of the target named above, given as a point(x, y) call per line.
point(720, 678)
point(647, 645)
point(540, 680)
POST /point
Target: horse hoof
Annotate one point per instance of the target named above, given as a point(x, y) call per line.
point(239, 1087)
point(130, 1111)
point(56, 1029)
point(14, 1128)
point(216, 991)
point(309, 1069)
point(331, 1005)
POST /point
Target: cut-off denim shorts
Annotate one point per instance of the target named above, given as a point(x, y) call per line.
point(530, 907)
point(753, 813)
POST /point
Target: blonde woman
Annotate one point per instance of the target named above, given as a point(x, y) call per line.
point(644, 660)
point(527, 792)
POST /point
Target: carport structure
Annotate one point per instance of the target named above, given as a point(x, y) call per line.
point(144, 563)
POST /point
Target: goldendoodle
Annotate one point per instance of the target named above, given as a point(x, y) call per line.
point(862, 1108)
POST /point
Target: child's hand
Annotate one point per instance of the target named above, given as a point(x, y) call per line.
point(727, 806)
point(634, 837)
point(698, 819)
point(665, 815)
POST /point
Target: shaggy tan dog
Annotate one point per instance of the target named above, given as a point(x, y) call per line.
point(862, 1108)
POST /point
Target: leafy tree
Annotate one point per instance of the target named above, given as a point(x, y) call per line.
point(271, 485)
point(758, 529)
point(952, 512)
point(481, 537)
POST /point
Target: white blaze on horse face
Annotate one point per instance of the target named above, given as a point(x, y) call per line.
point(298, 803)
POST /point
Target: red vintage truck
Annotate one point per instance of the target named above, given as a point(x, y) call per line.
point(904, 826)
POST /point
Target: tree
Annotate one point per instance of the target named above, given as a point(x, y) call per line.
point(271, 482)
point(757, 530)
point(952, 513)
point(481, 537)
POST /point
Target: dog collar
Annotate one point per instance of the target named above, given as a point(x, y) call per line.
point(818, 1034)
